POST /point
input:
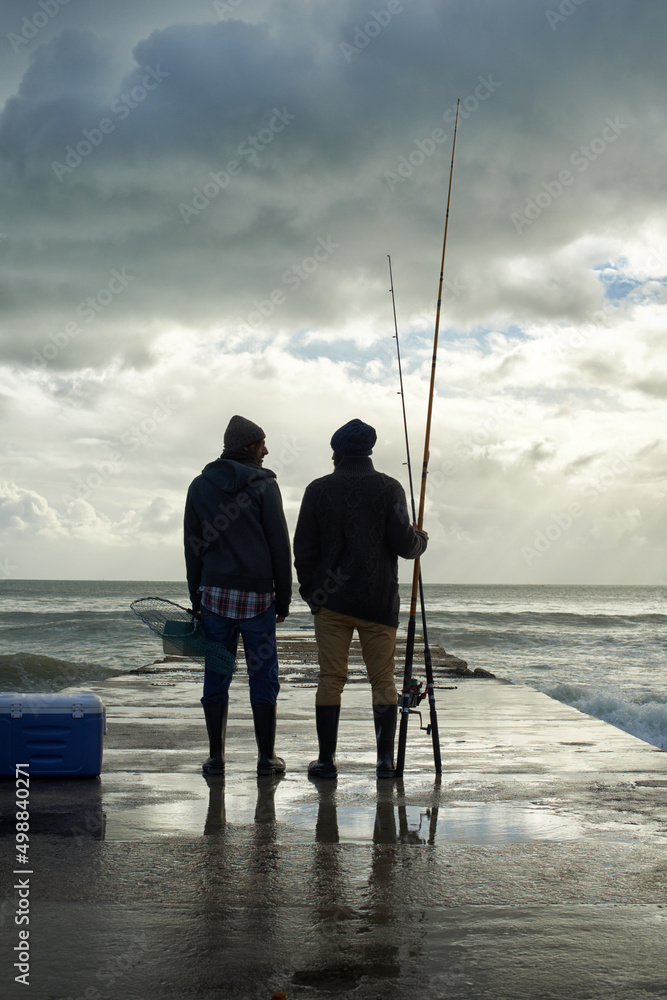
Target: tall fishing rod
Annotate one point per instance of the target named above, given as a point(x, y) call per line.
point(410, 640)
point(428, 665)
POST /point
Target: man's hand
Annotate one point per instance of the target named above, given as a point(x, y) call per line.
point(280, 618)
point(420, 530)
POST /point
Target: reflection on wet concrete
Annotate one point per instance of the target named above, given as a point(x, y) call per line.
point(348, 946)
point(60, 807)
point(338, 900)
point(391, 820)
point(265, 809)
point(326, 811)
point(468, 887)
point(265, 806)
point(392, 823)
point(216, 818)
point(294, 808)
point(326, 826)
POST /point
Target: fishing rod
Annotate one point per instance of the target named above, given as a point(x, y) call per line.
point(410, 640)
point(428, 665)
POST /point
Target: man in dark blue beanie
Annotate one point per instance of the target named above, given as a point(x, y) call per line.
point(355, 438)
point(352, 526)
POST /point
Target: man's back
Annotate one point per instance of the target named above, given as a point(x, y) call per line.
point(238, 566)
point(235, 532)
point(352, 526)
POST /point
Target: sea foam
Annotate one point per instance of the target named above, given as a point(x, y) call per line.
point(641, 714)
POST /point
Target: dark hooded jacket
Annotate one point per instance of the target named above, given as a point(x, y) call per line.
point(235, 532)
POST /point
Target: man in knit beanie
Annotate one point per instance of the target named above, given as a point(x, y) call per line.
point(238, 564)
point(242, 434)
point(352, 526)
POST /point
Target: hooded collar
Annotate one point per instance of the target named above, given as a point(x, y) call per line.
point(239, 455)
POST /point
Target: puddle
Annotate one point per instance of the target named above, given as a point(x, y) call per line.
point(275, 811)
point(467, 823)
point(290, 810)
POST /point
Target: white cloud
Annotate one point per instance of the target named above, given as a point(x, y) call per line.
point(131, 335)
point(24, 511)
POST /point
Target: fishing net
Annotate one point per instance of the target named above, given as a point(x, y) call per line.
point(182, 632)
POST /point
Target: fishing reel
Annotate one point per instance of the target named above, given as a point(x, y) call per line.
point(416, 697)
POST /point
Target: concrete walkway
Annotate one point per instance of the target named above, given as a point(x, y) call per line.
point(534, 867)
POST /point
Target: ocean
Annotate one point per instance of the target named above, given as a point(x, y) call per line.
point(599, 649)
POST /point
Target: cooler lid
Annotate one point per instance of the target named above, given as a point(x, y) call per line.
point(78, 704)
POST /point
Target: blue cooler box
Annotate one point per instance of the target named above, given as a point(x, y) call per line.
point(55, 734)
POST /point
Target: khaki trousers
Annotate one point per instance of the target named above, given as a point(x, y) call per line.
point(333, 633)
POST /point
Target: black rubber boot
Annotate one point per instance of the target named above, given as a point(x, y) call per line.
point(215, 714)
point(326, 720)
point(264, 717)
point(385, 731)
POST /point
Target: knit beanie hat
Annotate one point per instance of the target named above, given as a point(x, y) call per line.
point(354, 438)
point(241, 432)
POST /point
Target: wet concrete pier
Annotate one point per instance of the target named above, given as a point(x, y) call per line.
point(534, 867)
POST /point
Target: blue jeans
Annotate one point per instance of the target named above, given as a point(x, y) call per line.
point(261, 655)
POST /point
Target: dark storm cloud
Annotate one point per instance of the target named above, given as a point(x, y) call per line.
point(656, 387)
point(196, 206)
point(360, 155)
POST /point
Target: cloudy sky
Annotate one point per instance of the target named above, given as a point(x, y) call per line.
point(197, 204)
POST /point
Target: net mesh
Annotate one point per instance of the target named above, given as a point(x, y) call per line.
point(180, 630)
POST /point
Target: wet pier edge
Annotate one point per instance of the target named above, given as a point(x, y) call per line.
point(534, 866)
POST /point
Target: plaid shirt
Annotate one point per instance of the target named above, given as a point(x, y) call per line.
point(235, 603)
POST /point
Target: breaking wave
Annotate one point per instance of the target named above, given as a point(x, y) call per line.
point(641, 714)
point(29, 672)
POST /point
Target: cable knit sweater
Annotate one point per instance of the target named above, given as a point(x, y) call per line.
point(352, 526)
